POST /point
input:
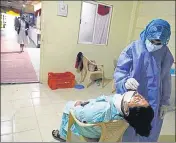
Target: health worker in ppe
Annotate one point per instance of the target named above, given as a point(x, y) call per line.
point(144, 65)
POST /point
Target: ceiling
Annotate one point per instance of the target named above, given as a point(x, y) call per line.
point(18, 4)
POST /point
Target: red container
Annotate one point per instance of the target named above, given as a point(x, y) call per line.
point(61, 80)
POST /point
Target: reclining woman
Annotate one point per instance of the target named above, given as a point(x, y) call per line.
point(130, 106)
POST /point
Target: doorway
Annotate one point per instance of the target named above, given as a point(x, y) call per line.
point(17, 67)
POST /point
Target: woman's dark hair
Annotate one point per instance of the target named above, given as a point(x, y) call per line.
point(140, 119)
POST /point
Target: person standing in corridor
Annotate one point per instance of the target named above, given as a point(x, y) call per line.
point(23, 38)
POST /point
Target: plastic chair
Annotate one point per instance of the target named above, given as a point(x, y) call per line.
point(86, 72)
point(111, 131)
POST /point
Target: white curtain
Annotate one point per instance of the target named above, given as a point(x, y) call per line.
point(101, 29)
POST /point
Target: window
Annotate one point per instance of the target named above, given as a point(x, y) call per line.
point(94, 23)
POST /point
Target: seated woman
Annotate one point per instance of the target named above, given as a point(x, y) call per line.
point(130, 106)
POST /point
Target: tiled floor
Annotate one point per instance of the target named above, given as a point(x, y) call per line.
point(29, 112)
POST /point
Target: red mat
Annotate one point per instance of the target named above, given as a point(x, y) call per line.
point(16, 67)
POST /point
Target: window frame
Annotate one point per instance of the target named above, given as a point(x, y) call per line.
point(109, 23)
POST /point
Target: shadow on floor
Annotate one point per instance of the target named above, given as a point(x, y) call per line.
point(107, 81)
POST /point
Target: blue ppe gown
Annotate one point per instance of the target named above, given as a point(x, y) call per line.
point(152, 71)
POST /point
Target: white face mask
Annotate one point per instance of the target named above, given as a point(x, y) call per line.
point(128, 95)
point(151, 47)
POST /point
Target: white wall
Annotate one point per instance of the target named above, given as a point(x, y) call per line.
point(59, 37)
point(60, 34)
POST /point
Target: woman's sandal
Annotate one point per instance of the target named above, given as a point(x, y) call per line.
point(55, 134)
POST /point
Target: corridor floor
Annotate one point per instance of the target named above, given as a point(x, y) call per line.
point(29, 112)
point(34, 54)
point(17, 67)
